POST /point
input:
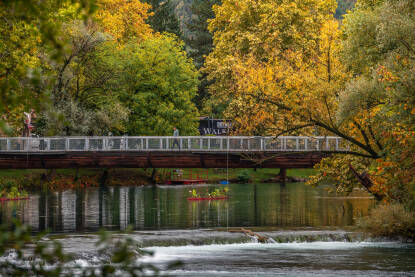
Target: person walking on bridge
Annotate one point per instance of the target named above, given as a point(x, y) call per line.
point(175, 140)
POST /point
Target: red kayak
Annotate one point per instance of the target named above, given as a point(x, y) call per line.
point(207, 198)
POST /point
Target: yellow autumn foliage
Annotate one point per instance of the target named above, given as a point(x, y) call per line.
point(275, 77)
point(124, 19)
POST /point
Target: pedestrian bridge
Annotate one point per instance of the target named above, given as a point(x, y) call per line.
point(167, 152)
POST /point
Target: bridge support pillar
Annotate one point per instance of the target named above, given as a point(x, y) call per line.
point(283, 174)
point(153, 175)
point(104, 177)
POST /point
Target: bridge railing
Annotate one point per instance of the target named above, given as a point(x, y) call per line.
point(191, 143)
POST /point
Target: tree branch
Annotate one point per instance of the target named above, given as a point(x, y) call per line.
point(362, 132)
point(375, 138)
point(279, 105)
point(366, 182)
point(59, 85)
point(333, 130)
point(294, 129)
point(328, 110)
point(367, 148)
point(407, 45)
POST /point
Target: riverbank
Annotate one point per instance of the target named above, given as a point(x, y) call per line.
point(69, 178)
point(40, 179)
point(392, 220)
point(259, 175)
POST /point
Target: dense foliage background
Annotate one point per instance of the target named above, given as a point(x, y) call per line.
point(271, 66)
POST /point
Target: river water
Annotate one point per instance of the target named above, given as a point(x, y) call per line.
point(310, 228)
point(167, 207)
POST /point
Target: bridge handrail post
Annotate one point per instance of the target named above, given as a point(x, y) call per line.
point(327, 144)
point(8, 144)
point(262, 143)
point(146, 144)
point(297, 144)
point(221, 144)
point(208, 143)
point(181, 143)
point(66, 144)
point(125, 139)
point(248, 145)
point(306, 143)
point(189, 145)
point(86, 144)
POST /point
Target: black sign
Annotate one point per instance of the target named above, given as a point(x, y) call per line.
point(217, 127)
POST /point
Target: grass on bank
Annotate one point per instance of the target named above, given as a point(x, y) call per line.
point(256, 176)
point(24, 173)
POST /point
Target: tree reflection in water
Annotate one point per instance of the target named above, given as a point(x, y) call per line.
point(114, 208)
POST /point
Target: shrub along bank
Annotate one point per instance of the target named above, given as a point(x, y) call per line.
point(393, 220)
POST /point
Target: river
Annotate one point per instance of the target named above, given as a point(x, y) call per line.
point(310, 229)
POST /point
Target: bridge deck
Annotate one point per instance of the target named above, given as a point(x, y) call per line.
point(166, 152)
point(159, 160)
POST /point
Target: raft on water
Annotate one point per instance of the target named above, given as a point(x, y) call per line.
point(207, 198)
point(2, 199)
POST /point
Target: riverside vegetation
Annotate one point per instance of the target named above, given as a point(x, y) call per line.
point(273, 67)
point(59, 179)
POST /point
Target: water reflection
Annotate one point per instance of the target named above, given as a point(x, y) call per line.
point(292, 205)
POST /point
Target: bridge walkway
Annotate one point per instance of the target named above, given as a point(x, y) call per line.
point(167, 152)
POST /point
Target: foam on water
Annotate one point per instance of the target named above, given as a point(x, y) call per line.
point(319, 258)
point(291, 273)
point(294, 258)
point(222, 273)
point(82, 263)
point(163, 254)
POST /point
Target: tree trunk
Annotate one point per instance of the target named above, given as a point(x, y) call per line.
point(47, 176)
point(364, 179)
point(76, 174)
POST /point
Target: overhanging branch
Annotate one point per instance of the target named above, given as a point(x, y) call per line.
point(333, 130)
